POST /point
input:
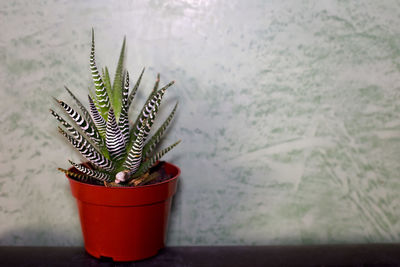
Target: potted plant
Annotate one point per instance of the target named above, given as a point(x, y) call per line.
point(123, 192)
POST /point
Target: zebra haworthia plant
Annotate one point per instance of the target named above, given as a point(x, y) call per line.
point(119, 153)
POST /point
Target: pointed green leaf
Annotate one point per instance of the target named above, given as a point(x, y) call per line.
point(133, 92)
point(93, 97)
point(107, 82)
point(150, 162)
point(81, 107)
point(149, 110)
point(102, 176)
point(75, 134)
point(97, 118)
point(89, 153)
point(101, 92)
point(91, 132)
point(118, 83)
point(155, 139)
point(114, 140)
point(134, 157)
point(123, 121)
point(77, 176)
point(157, 83)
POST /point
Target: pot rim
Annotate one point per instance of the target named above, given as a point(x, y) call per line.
point(129, 187)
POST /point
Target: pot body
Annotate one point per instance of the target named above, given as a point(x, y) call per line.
point(125, 223)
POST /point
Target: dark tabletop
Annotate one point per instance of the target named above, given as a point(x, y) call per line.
point(321, 255)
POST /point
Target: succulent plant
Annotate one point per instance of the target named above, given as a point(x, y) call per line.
point(119, 153)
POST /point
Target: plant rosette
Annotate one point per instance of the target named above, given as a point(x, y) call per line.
point(123, 191)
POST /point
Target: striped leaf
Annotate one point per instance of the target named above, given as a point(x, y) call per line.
point(134, 157)
point(75, 134)
point(77, 176)
point(125, 92)
point(89, 153)
point(84, 111)
point(91, 132)
point(93, 96)
point(101, 92)
point(155, 139)
point(146, 111)
point(118, 83)
point(156, 84)
point(150, 110)
point(107, 82)
point(92, 173)
point(123, 122)
point(97, 118)
point(134, 90)
point(114, 140)
point(150, 162)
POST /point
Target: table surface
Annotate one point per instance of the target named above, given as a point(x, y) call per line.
point(321, 255)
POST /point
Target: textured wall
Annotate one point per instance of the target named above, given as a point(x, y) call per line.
point(289, 115)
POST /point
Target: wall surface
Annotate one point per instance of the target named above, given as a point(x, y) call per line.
point(288, 112)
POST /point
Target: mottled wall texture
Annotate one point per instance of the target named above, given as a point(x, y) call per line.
point(289, 115)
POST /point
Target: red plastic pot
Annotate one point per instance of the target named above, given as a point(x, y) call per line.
point(125, 223)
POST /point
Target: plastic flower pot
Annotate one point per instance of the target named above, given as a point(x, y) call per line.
point(125, 223)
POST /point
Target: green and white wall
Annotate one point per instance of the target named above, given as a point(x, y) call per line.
point(289, 115)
